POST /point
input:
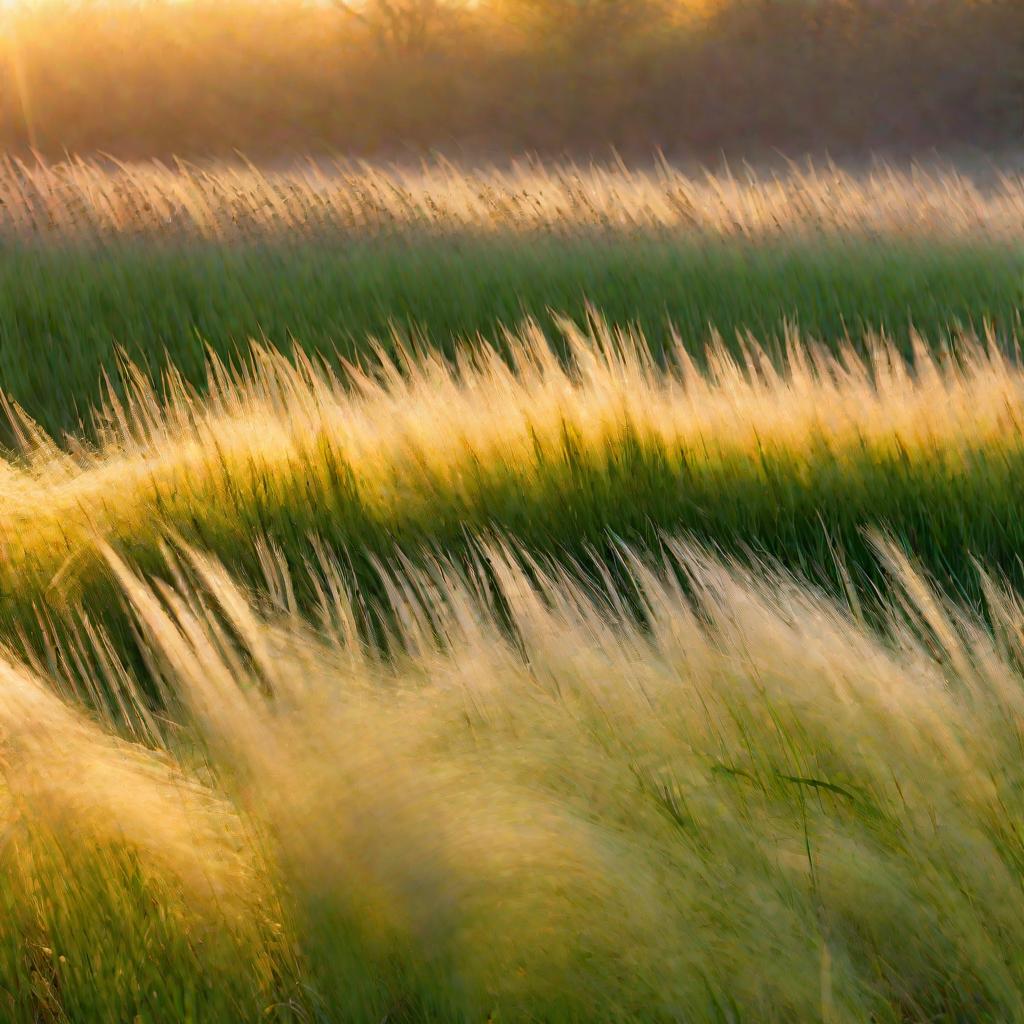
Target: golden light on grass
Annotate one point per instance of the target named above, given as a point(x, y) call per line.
point(652, 814)
point(80, 199)
point(425, 438)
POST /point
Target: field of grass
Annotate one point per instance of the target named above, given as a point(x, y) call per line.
point(78, 200)
point(167, 264)
point(791, 462)
point(514, 647)
point(65, 316)
point(756, 809)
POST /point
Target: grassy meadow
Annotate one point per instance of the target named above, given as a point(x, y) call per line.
point(169, 265)
point(547, 594)
point(756, 808)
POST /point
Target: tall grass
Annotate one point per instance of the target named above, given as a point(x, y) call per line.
point(165, 261)
point(65, 314)
point(755, 809)
point(793, 458)
point(79, 199)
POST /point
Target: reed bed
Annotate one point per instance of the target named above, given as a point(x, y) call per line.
point(754, 809)
point(88, 200)
point(792, 458)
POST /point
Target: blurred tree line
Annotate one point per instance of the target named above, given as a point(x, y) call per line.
point(485, 77)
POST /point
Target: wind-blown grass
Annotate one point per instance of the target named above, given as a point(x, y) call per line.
point(755, 809)
point(65, 311)
point(792, 461)
point(482, 742)
point(163, 261)
point(78, 200)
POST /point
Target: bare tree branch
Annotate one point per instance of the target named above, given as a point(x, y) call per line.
point(351, 11)
point(407, 26)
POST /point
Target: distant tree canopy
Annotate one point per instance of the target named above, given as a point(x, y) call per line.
point(273, 77)
point(403, 26)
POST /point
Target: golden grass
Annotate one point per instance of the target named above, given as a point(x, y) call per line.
point(756, 804)
point(425, 438)
point(532, 808)
point(80, 199)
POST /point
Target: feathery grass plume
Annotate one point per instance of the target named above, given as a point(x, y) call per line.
point(84, 200)
point(754, 808)
point(124, 879)
point(793, 459)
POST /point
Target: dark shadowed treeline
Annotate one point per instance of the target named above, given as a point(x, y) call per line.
point(391, 76)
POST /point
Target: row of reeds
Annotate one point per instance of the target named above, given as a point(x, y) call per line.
point(78, 199)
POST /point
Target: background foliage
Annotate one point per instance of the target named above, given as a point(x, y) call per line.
point(390, 76)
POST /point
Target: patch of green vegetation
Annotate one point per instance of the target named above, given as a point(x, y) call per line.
point(813, 513)
point(64, 312)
